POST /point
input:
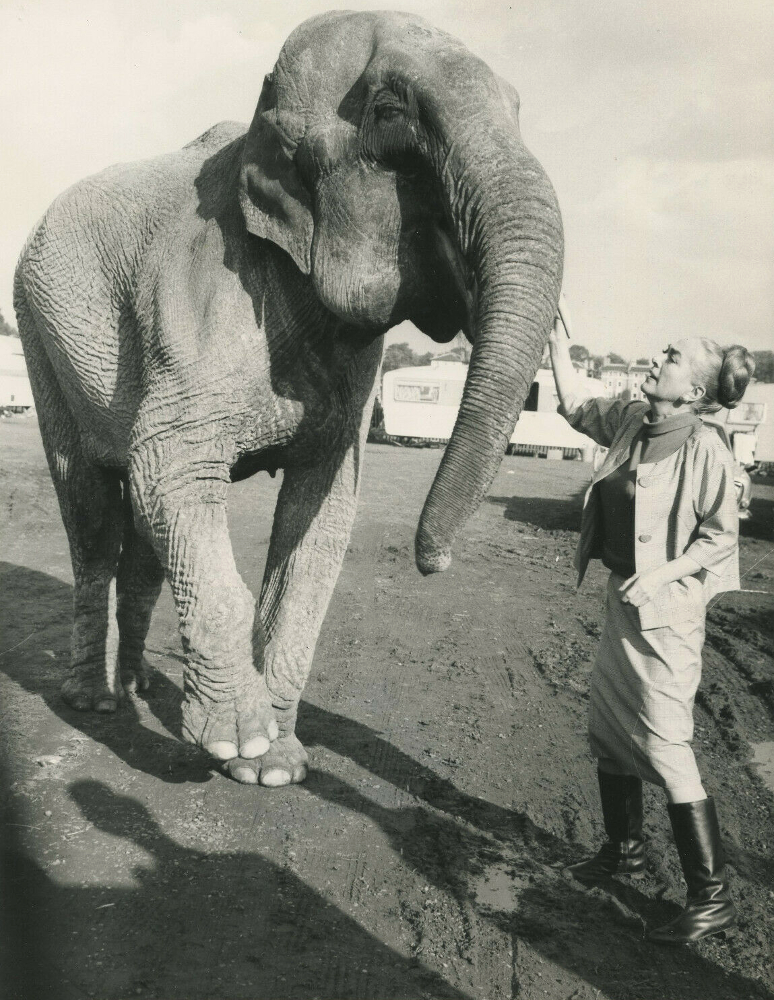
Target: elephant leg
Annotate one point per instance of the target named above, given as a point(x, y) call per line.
point(140, 576)
point(181, 504)
point(312, 524)
point(91, 505)
point(94, 531)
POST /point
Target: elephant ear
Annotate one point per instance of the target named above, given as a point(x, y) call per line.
point(510, 99)
point(275, 202)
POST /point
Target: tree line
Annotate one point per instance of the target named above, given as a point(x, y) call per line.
point(764, 361)
point(402, 356)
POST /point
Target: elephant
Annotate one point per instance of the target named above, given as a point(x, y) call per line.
point(196, 318)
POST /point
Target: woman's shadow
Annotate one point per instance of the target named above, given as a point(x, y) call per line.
point(546, 513)
point(195, 924)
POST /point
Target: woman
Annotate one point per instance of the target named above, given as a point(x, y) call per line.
point(661, 514)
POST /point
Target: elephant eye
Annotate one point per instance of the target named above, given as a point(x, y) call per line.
point(387, 112)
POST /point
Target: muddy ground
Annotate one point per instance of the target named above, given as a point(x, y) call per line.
point(450, 780)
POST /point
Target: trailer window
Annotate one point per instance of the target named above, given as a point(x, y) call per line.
point(416, 392)
point(749, 413)
point(531, 402)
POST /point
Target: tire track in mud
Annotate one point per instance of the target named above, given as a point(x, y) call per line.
point(420, 809)
point(483, 946)
point(451, 834)
point(737, 689)
point(744, 637)
point(501, 676)
point(368, 743)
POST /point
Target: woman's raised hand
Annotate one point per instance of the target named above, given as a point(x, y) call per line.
point(557, 335)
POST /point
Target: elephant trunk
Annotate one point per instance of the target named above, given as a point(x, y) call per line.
point(509, 231)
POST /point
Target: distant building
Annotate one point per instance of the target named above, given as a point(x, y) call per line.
point(636, 374)
point(623, 380)
point(614, 377)
point(15, 392)
point(585, 366)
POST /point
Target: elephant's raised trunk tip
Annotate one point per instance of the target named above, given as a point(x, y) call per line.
point(430, 557)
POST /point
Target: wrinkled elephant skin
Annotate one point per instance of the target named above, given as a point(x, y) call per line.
point(219, 311)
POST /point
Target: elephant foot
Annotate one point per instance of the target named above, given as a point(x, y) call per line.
point(239, 725)
point(285, 763)
point(92, 688)
point(135, 677)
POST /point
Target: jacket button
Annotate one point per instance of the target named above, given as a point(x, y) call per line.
point(643, 482)
point(644, 538)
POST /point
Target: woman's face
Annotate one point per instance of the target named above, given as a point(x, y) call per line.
point(674, 375)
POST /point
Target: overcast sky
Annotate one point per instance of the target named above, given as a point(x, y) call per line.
point(654, 120)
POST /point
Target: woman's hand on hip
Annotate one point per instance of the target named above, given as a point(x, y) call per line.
point(642, 587)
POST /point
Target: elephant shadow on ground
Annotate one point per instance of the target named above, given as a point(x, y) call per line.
point(194, 924)
point(451, 839)
point(36, 624)
point(380, 757)
point(546, 513)
point(464, 845)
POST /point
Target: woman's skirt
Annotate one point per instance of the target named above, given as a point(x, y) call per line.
point(642, 692)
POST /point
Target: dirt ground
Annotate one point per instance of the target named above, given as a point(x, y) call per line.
point(450, 780)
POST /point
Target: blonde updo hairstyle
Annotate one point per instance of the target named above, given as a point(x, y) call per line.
point(725, 373)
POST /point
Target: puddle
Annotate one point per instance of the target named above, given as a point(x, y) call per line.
point(499, 889)
point(763, 758)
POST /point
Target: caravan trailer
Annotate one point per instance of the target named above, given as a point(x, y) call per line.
point(752, 421)
point(421, 404)
point(15, 391)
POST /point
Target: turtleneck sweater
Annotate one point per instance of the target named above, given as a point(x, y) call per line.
point(653, 443)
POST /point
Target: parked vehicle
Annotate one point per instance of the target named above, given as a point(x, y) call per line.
point(742, 481)
point(420, 406)
point(753, 418)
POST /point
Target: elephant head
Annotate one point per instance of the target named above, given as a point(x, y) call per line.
point(386, 160)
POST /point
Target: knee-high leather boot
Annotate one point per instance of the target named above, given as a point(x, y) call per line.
point(709, 908)
point(624, 851)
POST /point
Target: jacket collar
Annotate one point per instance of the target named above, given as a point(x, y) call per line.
point(620, 448)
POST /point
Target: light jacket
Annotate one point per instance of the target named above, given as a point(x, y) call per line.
point(683, 505)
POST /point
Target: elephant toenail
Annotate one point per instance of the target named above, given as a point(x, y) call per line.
point(275, 778)
point(222, 750)
point(255, 747)
point(106, 705)
point(246, 775)
point(273, 730)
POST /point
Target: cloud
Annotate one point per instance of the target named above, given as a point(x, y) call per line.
point(85, 83)
point(681, 248)
point(700, 208)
